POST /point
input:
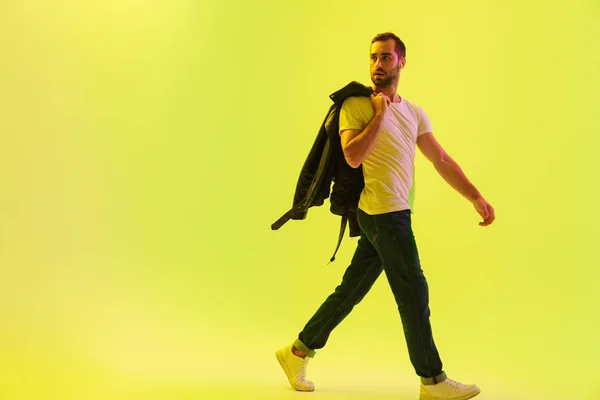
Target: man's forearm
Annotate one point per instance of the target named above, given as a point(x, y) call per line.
point(454, 176)
point(362, 145)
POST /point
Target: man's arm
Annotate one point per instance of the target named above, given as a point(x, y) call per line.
point(358, 145)
point(446, 166)
point(454, 176)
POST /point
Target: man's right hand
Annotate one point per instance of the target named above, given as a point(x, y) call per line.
point(380, 102)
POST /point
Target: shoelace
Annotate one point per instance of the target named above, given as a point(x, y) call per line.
point(302, 372)
point(450, 382)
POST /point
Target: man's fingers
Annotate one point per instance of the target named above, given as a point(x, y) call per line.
point(491, 213)
point(484, 213)
point(488, 215)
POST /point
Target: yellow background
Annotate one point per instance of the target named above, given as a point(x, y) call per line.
point(146, 148)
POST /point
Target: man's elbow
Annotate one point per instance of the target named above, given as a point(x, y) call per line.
point(353, 162)
point(351, 159)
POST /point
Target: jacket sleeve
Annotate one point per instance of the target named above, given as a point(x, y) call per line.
point(312, 171)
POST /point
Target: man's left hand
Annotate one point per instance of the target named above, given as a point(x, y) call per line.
point(486, 211)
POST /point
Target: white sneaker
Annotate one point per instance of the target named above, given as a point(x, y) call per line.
point(448, 390)
point(295, 369)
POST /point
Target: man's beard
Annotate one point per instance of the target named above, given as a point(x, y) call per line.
point(386, 81)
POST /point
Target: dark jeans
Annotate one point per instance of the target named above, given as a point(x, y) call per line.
point(387, 243)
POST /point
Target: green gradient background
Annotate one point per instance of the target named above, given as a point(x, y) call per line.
point(146, 147)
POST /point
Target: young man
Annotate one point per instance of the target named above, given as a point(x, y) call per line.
point(381, 134)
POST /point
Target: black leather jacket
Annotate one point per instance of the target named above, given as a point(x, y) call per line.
point(326, 164)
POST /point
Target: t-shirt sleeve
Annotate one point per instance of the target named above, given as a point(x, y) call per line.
point(424, 123)
point(351, 115)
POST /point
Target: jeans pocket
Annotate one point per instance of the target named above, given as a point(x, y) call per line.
point(368, 226)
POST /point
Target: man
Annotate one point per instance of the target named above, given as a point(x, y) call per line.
point(381, 134)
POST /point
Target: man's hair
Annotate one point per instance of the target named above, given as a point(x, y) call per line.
point(400, 47)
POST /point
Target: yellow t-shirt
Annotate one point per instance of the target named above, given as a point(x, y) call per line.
point(389, 169)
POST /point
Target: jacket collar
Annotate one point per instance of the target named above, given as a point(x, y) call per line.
point(352, 89)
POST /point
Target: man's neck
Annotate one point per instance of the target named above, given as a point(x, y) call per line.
point(389, 92)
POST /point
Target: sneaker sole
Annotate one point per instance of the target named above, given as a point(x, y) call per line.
point(465, 397)
point(287, 371)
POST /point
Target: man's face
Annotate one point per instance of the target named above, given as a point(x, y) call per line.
point(385, 66)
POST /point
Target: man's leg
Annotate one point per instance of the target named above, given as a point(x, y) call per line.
point(358, 279)
point(397, 248)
